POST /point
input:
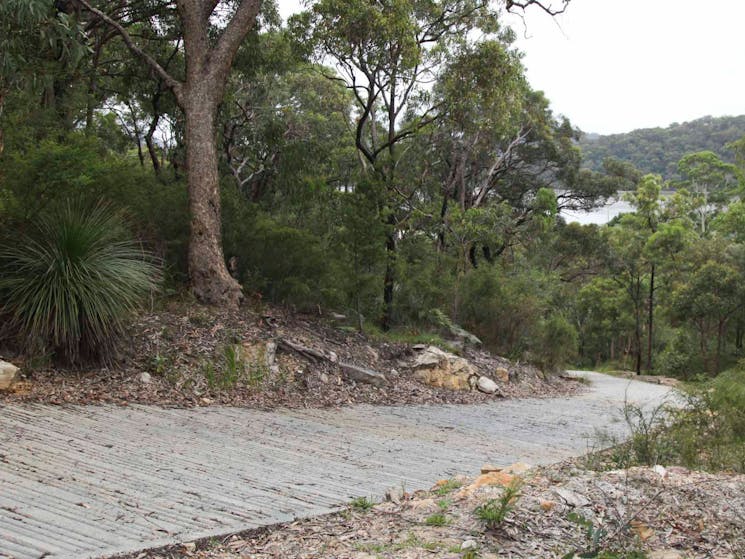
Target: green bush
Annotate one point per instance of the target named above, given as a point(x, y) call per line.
point(69, 285)
point(285, 264)
point(681, 357)
point(555, 344)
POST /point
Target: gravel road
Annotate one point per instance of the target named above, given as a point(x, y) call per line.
point(93, 481)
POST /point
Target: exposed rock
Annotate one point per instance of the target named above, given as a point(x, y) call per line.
point(144, 378)
point(487, 468)
point(395, 495)
point(270, 353)
point(8, 374)
point(360, 374)
point(371, 354)
point(469, 545)
point(441, 369)
point(571, 498)
point(500, 479)
point(502, 374)
point(487, 385)
point(517, 468)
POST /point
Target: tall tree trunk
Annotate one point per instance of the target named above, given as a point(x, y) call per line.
point(638, 328)
point(2, 106)
point(390, 275)
point(208, 63)
point(650, 319)
point(210, 280)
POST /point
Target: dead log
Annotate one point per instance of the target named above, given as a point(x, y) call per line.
point(352, 372)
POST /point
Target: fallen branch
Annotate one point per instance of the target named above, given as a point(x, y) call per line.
point(352, 372)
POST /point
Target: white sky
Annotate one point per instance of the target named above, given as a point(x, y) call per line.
point(616, 65)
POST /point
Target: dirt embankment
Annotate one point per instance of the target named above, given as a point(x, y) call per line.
point(196, 356)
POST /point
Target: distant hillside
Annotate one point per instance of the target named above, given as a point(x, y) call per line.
point(658, 150)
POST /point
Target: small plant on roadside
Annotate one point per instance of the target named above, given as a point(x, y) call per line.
point(494, 511)
point(447, 487)
point(444, 504)
point(437, 519)
point(599, 545)
point(362, 504)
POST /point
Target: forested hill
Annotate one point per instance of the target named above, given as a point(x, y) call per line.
point(657, 150)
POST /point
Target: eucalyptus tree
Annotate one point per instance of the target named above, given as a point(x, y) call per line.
point(210, 31)
point(387, 53)
point(710, 180)
point(33, 35)
point(503, 149)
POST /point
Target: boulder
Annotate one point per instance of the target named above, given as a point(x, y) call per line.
point(571, 498)
point(8, 374)
point(441, 369)
point(502, 375)
point(487, 385)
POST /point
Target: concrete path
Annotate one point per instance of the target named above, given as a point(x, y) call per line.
point(79, 482)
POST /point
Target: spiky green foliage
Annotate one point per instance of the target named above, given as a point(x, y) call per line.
point(70, 284)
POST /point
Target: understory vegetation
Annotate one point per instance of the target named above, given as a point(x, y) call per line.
point(396, 168)
point(704, 430)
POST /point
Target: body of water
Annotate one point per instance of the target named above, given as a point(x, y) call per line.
point(603, 214)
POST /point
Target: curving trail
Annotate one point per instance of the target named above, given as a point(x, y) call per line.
point(83, 482)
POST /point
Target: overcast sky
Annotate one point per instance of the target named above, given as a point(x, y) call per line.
point(616, 65)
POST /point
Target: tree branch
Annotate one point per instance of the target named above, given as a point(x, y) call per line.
point(227, 45)
point(170, 82)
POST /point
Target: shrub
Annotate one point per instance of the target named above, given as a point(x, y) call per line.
point(555, 344)
point(69, 285)
point(680, 358)
point(493, 512)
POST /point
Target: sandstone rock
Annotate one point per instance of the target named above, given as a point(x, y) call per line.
point(487, 468)
point(8, 374)
point(571, 498)
point(424, 505)
point(144, 378)
point(487, 385)
point(441, 369)
point(500, 479)
point(395, 495)
point(502, 375)
point(371, 354)
point(517, 468)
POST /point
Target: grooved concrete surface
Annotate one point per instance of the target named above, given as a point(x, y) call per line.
point(79, 482)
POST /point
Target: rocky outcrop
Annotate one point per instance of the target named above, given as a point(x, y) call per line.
point(441, 369)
